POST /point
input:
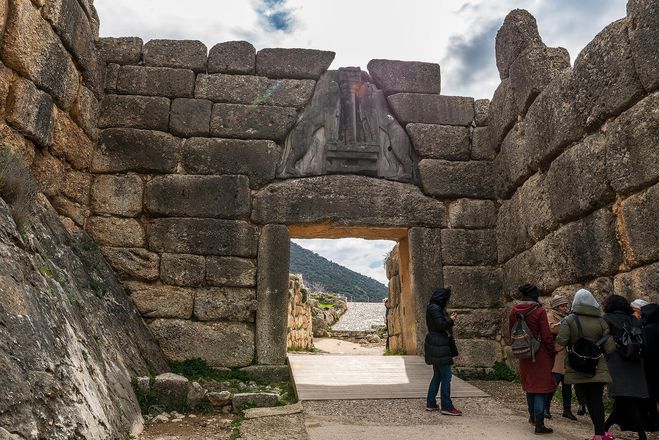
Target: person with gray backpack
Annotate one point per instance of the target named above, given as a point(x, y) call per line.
point(533, 345)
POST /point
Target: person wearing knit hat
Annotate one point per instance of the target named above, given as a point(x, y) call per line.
point(560, 306)
point(637, 305)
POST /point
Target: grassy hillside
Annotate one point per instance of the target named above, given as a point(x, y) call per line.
point(331, 277)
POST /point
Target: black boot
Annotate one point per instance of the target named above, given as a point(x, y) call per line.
point(540, 427)
point(569, 415)
point(532, 419)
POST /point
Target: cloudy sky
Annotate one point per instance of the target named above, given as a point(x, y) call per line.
point(459, 35)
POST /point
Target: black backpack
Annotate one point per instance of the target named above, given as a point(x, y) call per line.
point(523, 344)
point(630, 342)
point(584, 355)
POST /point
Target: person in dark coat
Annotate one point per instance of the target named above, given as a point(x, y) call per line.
point(628, 388)
point(440, 350)
point(536, 376)
point(650, 322)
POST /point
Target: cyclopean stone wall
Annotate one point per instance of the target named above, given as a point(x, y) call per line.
point(578, 158)
point(300, 332)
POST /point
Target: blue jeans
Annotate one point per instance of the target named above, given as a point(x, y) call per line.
point(536, 403)
point(441, 375)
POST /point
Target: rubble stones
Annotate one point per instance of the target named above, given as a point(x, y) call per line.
point(155, 81)
point(257, 399)
point(293, 63)
point(518, 32)
point(405, 76)
point(440, 141)
point(432, 109)
point(196, 395)
point(179, 54)
point(30, 111)
point(234, 57)
point(219, 399)
point(171, 389)
point(122, 50)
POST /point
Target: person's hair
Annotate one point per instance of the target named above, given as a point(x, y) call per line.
point(617, 303)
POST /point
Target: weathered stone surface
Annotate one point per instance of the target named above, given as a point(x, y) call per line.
point(249, 121)
point(31, 48)
point(632, 156)
point(477, 353)
point(346, 201)
point(256, 159)
point(198, 196)
point(254, 90)
point(7, 76)
point(272, 294)
point(171, 389)
point(481, 112)
point(533, 69)
point(440, 141)
point(203, 237)
point(503, 113)
point(124, 149)
point(49, 173)
point(219, 399)
point(85, 112)
point(512, 165)
point(577, 181)
point(518, 32)
point(156, 81)
point(179, 54)
point(161, 301)
point(233, 57)
point(474, 323)
point(268, 373)
point(133, 263)
point(76, 186)
point(482, 147)
point(640, 215)
point(112, 231)
point(117, 195)
point(190, 117)
point(445, 179)
point(30, 111)
point(196, 397)
point(643, 37)
point(150, 113)
point(259, 400)
point(474, 287)
point(293, 63)
point(600, 288)
point(111, 75)
point(17, 144)
point(230, 271)
point(472, 214)
point(123, 50)
point(225, 304)
point(432, 109)
point(221, 344)
point(405, 76)
point(182, 269)
point(464, 247)
point(524, 219)
point(70, 142)
point(639, 283)
point(605, 74)
point(74, 211)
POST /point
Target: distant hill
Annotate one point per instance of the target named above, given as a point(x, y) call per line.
point(318, 271)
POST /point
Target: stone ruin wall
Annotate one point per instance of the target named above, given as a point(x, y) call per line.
point(394, 304)
point(300, 331)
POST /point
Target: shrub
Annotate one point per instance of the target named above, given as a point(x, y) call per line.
point(17, 187)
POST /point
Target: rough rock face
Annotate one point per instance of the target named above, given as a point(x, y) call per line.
point(70, 338)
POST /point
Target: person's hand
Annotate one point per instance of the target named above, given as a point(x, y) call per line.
point(453, 316)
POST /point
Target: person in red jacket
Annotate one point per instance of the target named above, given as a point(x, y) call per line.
point(535, 374)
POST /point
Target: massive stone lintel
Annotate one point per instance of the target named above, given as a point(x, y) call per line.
point(348, 129)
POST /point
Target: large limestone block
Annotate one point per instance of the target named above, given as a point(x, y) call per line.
point(190, 117)
point(85, 112)
point(643, 37)
point(30, 111)
point(405, 76)
point(122, 50)
point(632, 156)
point(639, 283)
point(236, 304)
point(70, 142)
point(512, 165)
point(577, 181)
point(230, 271)
point(440, 141)
point(474, 287)
point(203, 237)
point(448, 180)
point(432, 109)
point(221, 344)
point(233, 57)
point(155, 81)
point(472, 214)
point(346, 201)
point(76, 185)
point(476, 323)
point(171, 389)
point(161, 301)
point(272, 294)
point(150, 113)
point(252, 121)
point(640, 217)
point(518, 32)
point(482, 147)
point(502, 112)
point(67, 208)
point(179, 54)
point(256, 159)
point(112, 231)
point(463, 247)
point(117, 195)
point(133, 263)
point(125, 149)
point(481, 110)
point(533, 69)
point(478, 353)
point(254, 90)
point(31, 48)
point(293, 63)
point(182, 269)
point(110, 78)
point(49, 173)
point(600, 287)
point(198, 196)
point(605, 74)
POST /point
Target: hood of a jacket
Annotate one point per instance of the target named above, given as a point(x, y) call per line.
point(524, 306)
point(651, 313)
point(440, 297)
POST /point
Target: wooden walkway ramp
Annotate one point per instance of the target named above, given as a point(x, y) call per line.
point(347, 377)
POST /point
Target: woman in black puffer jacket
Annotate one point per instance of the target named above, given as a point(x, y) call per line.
point(439, 350)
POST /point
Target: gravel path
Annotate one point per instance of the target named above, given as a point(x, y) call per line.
point(361, 316)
